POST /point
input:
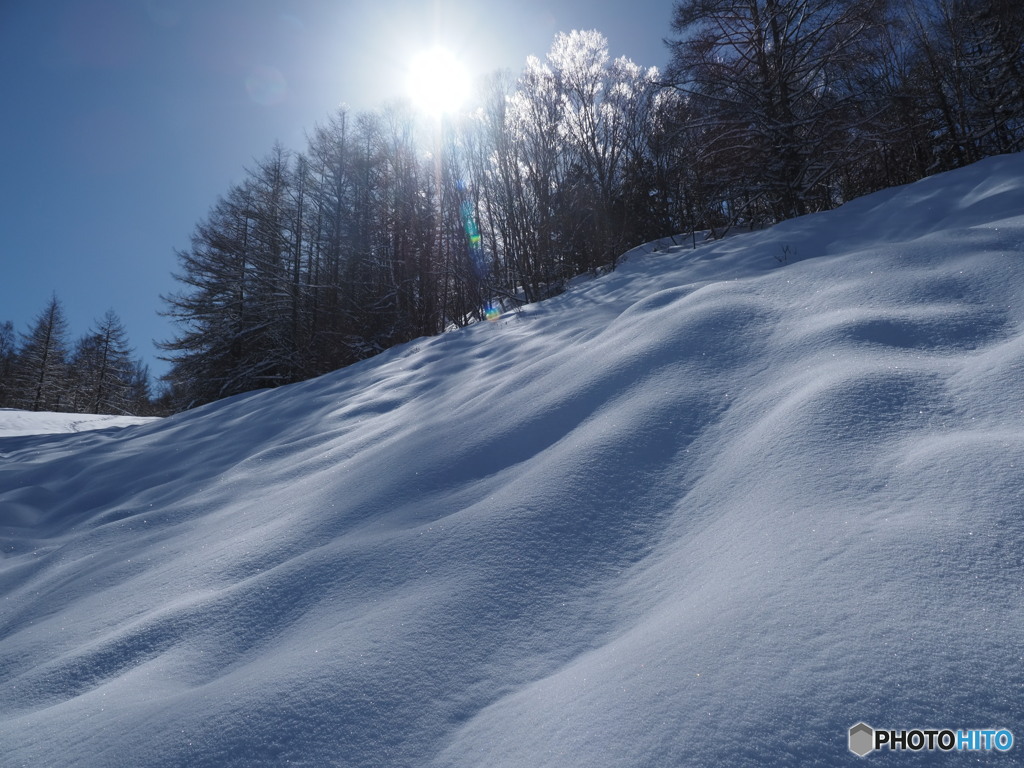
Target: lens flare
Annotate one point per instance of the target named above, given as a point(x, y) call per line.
point(266, 86)
point(476, 251)
point(476, 246)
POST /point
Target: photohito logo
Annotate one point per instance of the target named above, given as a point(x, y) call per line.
point(865, 739)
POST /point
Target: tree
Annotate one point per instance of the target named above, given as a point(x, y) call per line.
point(969, 76)
point(209, 355)
point(333, 227)
point(533, 169)
point(773, 80)
point(138, 392)
point(272, 313)
point(997, 61)
point(101, 370)
point(41, 366)
point(605, 110)
point(8, 355)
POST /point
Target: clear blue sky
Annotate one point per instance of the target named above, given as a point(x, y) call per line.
point(123, 120)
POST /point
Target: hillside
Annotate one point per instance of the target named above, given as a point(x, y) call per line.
point(711, 509)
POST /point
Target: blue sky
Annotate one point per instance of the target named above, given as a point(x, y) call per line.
point(123, 120)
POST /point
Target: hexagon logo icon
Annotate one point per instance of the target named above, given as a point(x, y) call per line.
point(862, 738)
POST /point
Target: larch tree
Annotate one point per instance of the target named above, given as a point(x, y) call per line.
point(138, 391)
point(101, 368)
point(211, 347)
point(8, 355)
point(41, 366)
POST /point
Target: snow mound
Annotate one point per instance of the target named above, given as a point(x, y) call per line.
point(707, 510)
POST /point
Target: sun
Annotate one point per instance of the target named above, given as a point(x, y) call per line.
point(438, 82)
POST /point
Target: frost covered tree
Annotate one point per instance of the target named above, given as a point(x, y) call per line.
point(564, 140)
point(605, 112)
point(533, 170)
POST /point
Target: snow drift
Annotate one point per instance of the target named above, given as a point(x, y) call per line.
point(711, 509)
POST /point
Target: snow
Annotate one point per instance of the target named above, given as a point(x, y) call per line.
point(709, 509)
point(14, 422)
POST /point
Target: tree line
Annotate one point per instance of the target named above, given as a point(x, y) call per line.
point(43, 371)
point(793, 106)
point(390, 226)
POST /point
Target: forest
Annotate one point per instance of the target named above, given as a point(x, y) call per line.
point(390, 225)
point(96, 374)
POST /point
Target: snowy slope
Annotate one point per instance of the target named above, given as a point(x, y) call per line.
point(707, 510)
point(14, 422)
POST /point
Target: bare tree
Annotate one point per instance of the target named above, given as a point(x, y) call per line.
point(100, 369)
point(774, 81)
point(606, 106)
point(8, 355)
point(41, 367)
point(968, 76)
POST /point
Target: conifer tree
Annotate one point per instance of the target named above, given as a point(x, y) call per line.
point(41, 368)
point(101, 368)
point(8, 354)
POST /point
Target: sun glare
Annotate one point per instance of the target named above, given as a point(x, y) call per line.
point(438, 82)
